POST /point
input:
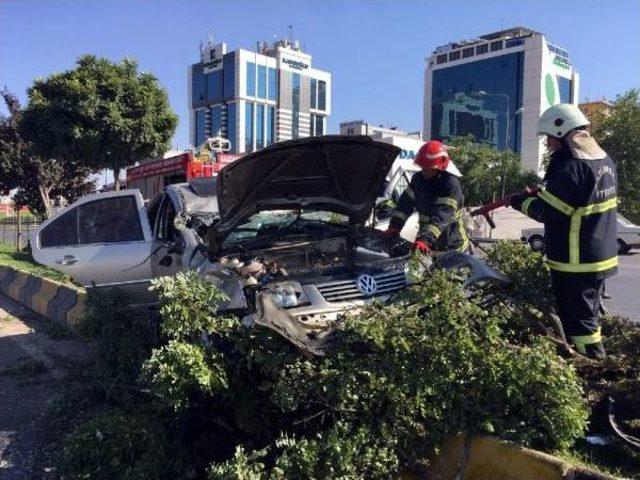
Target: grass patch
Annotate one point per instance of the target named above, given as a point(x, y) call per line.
point(614, 459)
point(25, 262)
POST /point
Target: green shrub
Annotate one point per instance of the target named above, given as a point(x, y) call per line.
point(124, 445)
point(398, 379)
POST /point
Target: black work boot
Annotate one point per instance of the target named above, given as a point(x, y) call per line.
point(595, 350)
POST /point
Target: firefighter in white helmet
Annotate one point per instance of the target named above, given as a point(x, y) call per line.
point(578, 208)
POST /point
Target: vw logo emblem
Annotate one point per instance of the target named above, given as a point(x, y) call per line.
point(367, 284)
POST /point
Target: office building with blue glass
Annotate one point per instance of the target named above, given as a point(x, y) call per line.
point(256, 98)
point(495, 87)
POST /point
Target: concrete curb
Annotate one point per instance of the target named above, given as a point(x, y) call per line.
point(63, 304)
point(480, 458)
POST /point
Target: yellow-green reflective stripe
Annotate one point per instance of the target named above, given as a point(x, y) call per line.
point(463, 234)
point(525, 205)
point(433, 229)
point(399, 214)
point(556, 203)
point(574, 239)
point(452, 202)
point(409, 192)
point(583, 267)
point(581, 341)
point(598, 207)
point(576, 221)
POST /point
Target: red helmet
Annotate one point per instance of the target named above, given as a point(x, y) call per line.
point(433, 154)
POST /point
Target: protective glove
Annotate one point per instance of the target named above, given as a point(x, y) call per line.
point(390, 233)
point(422, 246)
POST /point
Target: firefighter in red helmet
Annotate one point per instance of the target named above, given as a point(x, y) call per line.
point(435, 192)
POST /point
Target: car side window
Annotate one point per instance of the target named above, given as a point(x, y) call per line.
point(109, 220)
point(61, 232)
point(152, 211)
point(400, 186)
point(166, 231)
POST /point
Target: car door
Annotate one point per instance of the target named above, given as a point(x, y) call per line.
point(167, 258)
point(103, 240)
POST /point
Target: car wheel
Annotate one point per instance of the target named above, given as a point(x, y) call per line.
point(623, 247)
point(537, 243)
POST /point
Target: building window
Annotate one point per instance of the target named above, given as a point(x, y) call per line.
point(480, 49)
point(262, 82)
point(495, 46)
point(259, 126)
point(454, 55)
point(322, 95)
point(514, 42)
point(251, 79)
point(214, 86)
point(201, 133)
point(441, 59)
point(229, 66)
point(270, 125)
point(564, 87)
point(216, 119)
point(198, 84)
point(248, 127)
point(273, 84)
point(456, 112)
point(467, 52)
point(318, 125)
point(295, 107)
point(231, 126)
point(313, 95)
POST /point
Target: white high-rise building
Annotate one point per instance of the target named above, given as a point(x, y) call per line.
point(495, 87)
point(255, 98)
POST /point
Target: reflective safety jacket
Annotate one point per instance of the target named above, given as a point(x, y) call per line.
point(439, 203)
point(578, 209)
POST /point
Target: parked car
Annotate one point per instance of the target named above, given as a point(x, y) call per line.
point(628, 236)
point(282, 232)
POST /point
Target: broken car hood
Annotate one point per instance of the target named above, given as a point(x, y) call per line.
point(336, 173)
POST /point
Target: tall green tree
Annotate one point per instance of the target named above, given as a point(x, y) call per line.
point(102, 114)
point(619, 134)
point(488, 172)
point(38, 179)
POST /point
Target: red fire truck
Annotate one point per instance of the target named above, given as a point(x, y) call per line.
point(152, 176)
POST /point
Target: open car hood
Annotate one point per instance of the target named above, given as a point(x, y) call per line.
point(337, 173)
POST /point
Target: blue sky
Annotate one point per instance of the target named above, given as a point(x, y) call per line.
point(375, 49)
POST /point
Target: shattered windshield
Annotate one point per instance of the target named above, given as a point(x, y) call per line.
point(287, 222)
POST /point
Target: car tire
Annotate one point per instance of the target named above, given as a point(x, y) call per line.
point(536, 242)
point(623, 248)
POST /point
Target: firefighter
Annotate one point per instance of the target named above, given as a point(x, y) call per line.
point(578, 208)
point(435, 192)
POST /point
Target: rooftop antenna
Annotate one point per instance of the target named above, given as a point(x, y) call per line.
point(290, 34)
point(210, 39)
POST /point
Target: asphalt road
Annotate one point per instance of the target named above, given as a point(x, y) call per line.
point(624, 288)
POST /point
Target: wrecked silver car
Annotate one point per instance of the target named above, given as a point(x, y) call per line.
point(282, 232)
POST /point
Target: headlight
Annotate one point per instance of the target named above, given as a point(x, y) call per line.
point(285, 295)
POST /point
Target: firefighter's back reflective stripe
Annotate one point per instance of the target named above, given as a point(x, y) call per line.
point(574, 265)
point(576, 221)
point(581, 341)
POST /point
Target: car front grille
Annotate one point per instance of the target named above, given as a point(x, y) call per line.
point(346, 290)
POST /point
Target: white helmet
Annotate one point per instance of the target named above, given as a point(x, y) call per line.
point(560, 119)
